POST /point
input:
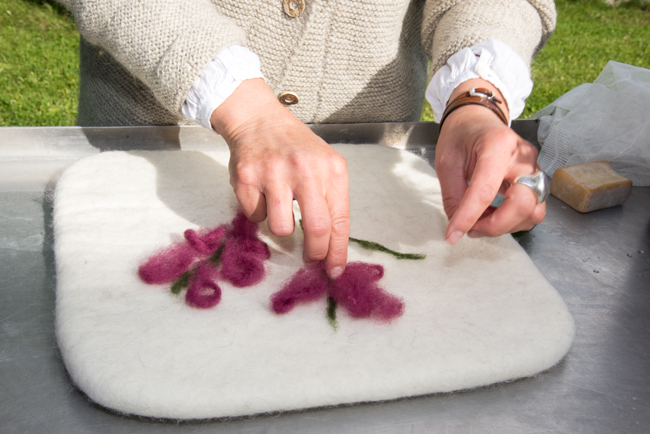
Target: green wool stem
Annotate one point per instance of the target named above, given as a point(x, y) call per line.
point(181, 282)
point(331, 313)
point(371, 245)
point(216, 258)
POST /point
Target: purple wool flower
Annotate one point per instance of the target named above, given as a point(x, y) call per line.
point(231, 252)
point(356, 290)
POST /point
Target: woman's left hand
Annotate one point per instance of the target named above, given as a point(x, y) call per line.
point(475, 146)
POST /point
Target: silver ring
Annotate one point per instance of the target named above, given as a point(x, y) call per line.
point(538, 182)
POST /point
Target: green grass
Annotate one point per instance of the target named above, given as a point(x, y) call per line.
point(588, 35)
point(39, 45)
point(39, 72)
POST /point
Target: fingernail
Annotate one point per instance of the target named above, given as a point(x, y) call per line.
point(454, 237)
point(475, 234)
point(336, 272)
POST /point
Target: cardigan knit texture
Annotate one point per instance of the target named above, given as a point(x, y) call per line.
point(362, 61)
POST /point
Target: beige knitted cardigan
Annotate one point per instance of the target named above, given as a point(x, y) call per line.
point(348, 61)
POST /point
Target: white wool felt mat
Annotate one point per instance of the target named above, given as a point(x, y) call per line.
point(475, 313)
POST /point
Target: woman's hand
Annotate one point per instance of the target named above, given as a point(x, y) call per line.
point(476, 147)
point(274, 159)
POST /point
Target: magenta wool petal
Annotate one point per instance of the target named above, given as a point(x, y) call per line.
point(308, 284)
point(255, 247)
point(356, 290)
point(239, 268)
point(205, 241)
point(245, 232)
point(242, 227)
point(203, 291)
point(168, 264)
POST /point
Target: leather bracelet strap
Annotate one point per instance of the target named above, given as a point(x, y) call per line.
point(475, 96)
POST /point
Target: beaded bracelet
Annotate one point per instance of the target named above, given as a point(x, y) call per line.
point(475, 96)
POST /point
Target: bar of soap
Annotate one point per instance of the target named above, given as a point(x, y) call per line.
point(590, 186)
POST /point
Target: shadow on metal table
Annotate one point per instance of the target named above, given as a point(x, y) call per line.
point(599, 262)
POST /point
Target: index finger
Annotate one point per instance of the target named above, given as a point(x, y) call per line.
point(488, 175)
point(326, 223)
point(339, 208)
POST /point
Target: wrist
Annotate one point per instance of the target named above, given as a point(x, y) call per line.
point(476, 96)
point(253, 99)
point(478, 82)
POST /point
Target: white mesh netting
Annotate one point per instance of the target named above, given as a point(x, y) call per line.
point(605, 120)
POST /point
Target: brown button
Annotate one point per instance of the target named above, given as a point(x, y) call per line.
point(288, 98)
point(294, 8)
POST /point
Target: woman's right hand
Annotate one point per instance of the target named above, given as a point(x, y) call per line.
point(274, 159)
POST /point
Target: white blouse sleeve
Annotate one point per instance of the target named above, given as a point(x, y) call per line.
point(491, 60)
point(218, 81)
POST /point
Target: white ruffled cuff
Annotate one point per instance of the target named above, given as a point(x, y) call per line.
point(218, 81)
point(491, 60)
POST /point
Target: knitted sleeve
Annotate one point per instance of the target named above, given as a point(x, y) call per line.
point(164, 43)
point(450, 25)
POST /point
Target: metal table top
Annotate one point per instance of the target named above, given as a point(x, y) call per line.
point(599, 262)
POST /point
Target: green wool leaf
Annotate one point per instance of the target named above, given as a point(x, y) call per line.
point(331, 313)
point(182, 282)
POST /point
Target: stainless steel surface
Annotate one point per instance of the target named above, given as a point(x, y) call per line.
point(599, 262)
